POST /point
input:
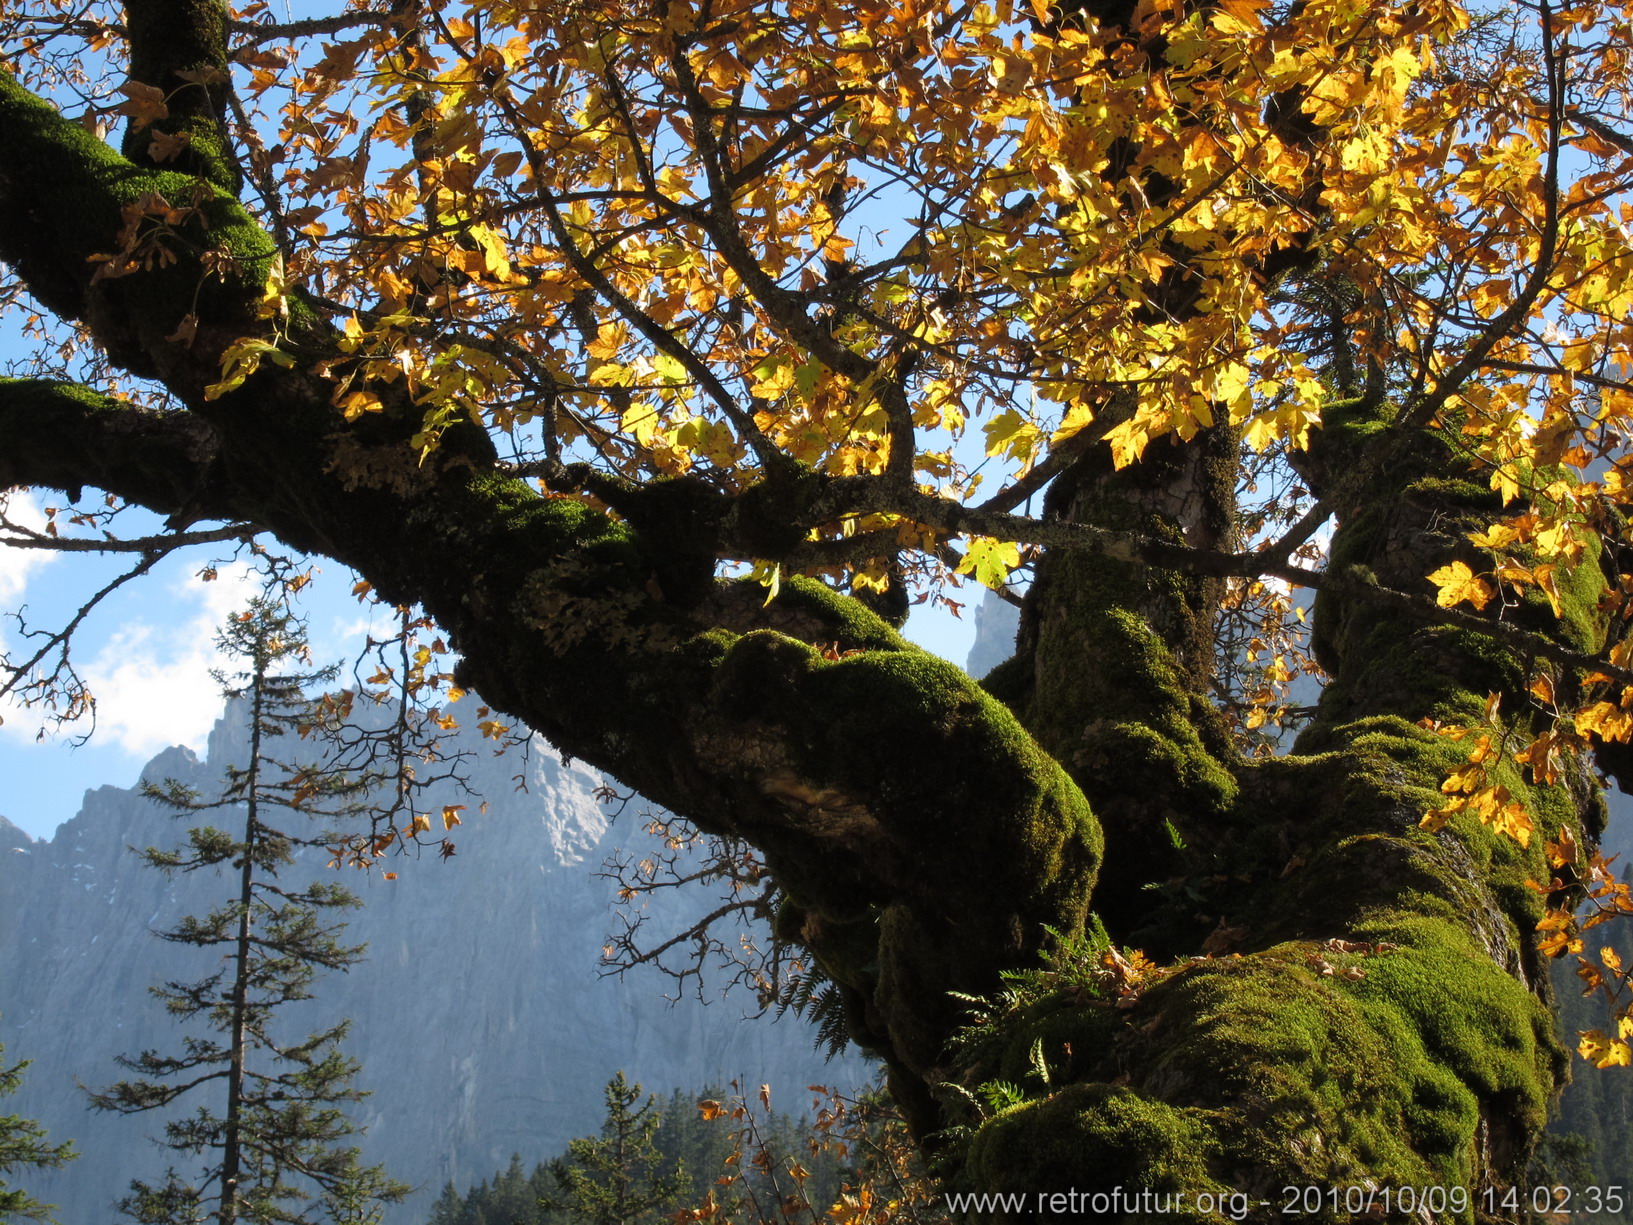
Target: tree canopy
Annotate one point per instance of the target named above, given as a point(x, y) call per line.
point(663, 353)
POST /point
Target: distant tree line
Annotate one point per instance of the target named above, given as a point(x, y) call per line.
point(721, 1156)
point(1590, 1144)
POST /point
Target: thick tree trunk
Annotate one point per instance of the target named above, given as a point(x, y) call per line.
point(1372, 1014)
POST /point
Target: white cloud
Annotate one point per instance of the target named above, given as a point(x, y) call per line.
point(149, 695)
point(233, 587)
point(152, 684)
point(151, 678)
point(17, 566)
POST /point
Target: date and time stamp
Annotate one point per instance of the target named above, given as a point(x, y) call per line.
point(1546, 1202)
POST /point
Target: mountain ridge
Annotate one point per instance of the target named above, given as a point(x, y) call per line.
point(481, 1016)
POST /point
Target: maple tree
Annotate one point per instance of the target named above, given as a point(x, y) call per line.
point(662, 353)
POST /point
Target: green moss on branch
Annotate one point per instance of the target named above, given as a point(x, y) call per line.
point(63, 196)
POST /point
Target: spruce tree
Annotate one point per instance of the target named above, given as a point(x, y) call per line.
point(615, 1179)
point(268, 1123)
point(449, 1208)
point(23, 1146)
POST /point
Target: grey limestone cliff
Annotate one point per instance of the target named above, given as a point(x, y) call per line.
point(481, 1016)
point(995, 625)
point(12, 838)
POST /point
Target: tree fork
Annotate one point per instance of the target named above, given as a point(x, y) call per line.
point(1374, 1009)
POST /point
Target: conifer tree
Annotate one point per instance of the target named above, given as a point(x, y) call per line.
point(23, 1146)
point(449, 1208)
point(691, 1145)
point(272, 1132)
point(615, 1179)
point(513, 1200)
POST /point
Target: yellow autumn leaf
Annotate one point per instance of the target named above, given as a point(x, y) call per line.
point(1544, 576)
point(609, 338)
point(1010, 73)
point(495, 258)
point(1603, 1051)
point(1497, 536)
point(990, 561)
point(773, 378)
point(1558, 944)
point(356, 403)
point(1605, 721)
point(1513, 820)
point(1458, 583)
point(1260, 432)
point(145, 103)
point(1128, 440)
point(1563, 850)
point(1011, 434)
point(242, 359)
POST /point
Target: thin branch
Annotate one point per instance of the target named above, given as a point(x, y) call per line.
point(1057, 461)
point(661, 338)
point(954, 519)
point(61, 637)
point(1281, 550)
point(260, 175)
point(1542, 269)
point(255, 33)
point(783, 306)
point(28, 538)
point(1592, 380)
point(1600, 128)
point(1351, 585)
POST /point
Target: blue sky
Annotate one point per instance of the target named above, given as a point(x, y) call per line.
point(146, 654)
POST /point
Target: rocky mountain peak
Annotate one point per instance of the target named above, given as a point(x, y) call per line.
point(482, 1017)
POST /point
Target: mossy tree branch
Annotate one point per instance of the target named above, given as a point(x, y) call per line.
point(843, 770)
point(179, 47)
point(66, 436)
